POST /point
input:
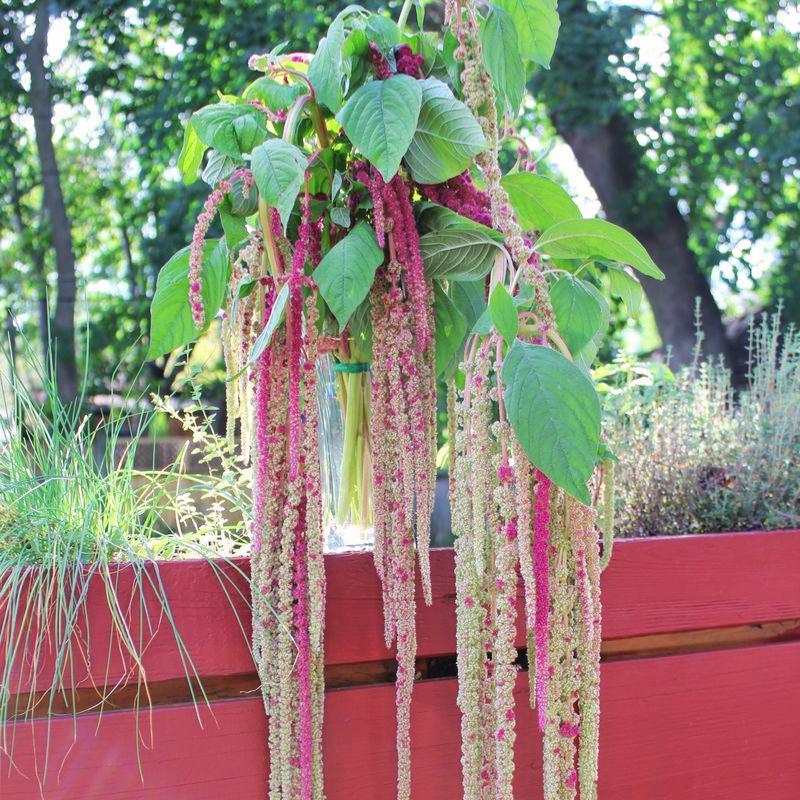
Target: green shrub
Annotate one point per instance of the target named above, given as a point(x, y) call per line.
point(696, 456)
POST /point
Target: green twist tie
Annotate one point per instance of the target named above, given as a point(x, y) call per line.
point(356, 366)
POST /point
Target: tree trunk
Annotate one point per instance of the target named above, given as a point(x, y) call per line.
point(610, 158)
point(37, 255)
point(63, 322)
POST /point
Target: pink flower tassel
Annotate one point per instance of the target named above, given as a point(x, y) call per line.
point(541, 565)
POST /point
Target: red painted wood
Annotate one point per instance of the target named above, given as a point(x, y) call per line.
point(652, 586)
point(705, 726)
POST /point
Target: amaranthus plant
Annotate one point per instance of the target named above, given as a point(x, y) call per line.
point(366, 217)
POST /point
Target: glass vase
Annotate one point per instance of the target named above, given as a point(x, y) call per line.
point(343, 399)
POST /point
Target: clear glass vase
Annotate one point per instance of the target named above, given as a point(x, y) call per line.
point(343, 398)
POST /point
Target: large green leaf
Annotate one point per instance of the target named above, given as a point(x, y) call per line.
point(503, 313)
point(191, 155)
point(171, 323)
point(627, 288)
point(278, 169)
point(537, 25)
point(345, 274)
point(503, 61)
point(578, 314)
point(458, 254)
point(469, 297)
point(380, 120)
point(219, 166)
point(538, 202)
point(433, 217)
point(587, 355)
point(447, 135)
point(325, 71)
point(555, 413)
point(231, 129)
point(451, 328)
point(596, 238)
point(273, 94)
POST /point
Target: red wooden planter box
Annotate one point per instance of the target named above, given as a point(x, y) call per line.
point(701, 688)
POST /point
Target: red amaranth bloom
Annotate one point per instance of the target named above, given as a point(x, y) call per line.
point(382, 71)
point(541, 565)
point(408, 62)
point(398, 209)
point(460, 194)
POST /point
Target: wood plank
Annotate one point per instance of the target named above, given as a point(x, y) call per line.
point(653, 586)
point(704, 726)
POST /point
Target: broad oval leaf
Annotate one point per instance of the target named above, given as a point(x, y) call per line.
point(271, 93)
point(450, 326)
point(380, 120)
point(503, 313)
point(278, 169)
point(219, 166)
point(578, 314)
point(447, 136)
point(537, 26)
point(458, 254)
point(538, 202)
point(325, 71)
point(596, 238)
point(627, 288)
point(345, 274)
point(231, 129)
point(171, 323)
point(191, 155)
point(433, 217)
point(503, 61)
point(555, 413)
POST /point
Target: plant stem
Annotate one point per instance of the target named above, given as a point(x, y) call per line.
point(404, 12)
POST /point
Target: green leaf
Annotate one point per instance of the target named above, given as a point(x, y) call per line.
point(469, 297)
point(278, 170)
point(596, 238)
point(171, 323)
point(191, 155)
point(346, 272)
point(433, 217)
point(325, 72)
point(555, 413)
point(380, 120)
point(578, 314)
point(447, 137)
point(384, 32)
point(538, 202)
point(272, 94)
point(239, 203)
point(219, 166)
point(537, 25)
point(450, 327)
point(276, 315)
point(627, 288)
point(458, 254)
point(587, 355)
point(234, 227)
point(503, 61)
point(503, 313)
point(231, 129)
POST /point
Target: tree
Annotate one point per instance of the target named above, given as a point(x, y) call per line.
point(33, 54)
point(662, 146)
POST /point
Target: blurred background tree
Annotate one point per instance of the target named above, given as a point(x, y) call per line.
point(679, 119)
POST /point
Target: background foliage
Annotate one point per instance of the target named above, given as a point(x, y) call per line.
point(683, 115)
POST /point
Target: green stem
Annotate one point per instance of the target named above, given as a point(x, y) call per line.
point(404, 12)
